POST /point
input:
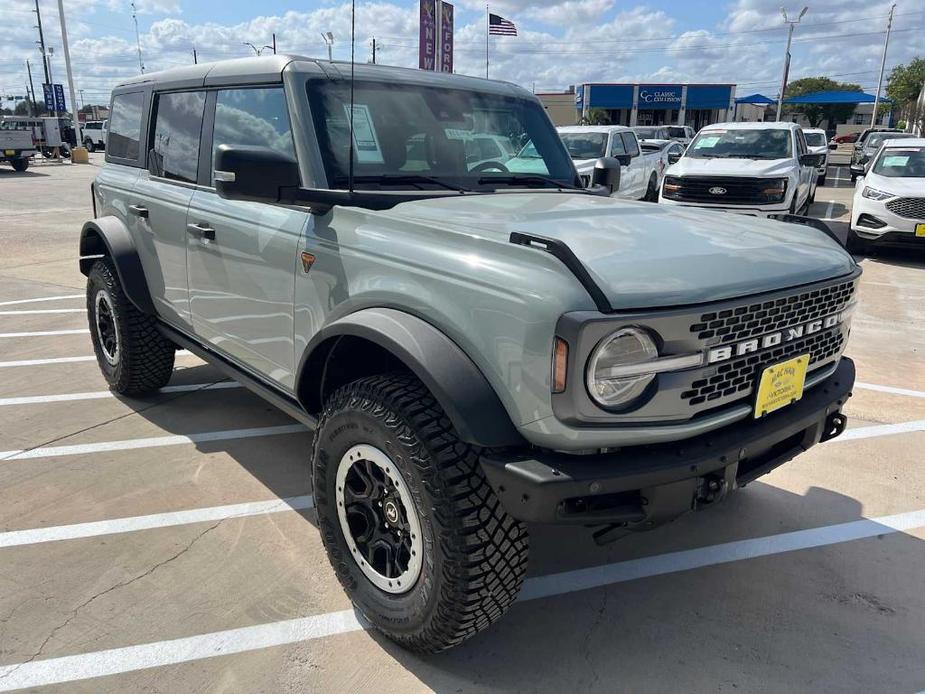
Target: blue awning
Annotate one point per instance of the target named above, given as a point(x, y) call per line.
point(755, 99)
point(835, 97)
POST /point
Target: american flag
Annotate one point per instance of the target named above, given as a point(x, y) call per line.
point(501, 26)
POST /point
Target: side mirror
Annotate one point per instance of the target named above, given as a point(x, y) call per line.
point(810, 159)
point(622, 159)
point(832, 145)
point(253, 173)
point(674, 157)
point(606, 173)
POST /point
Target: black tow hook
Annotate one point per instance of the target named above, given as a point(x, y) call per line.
point(834, 425)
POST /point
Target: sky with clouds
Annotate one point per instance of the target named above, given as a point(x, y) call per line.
point(560, 42)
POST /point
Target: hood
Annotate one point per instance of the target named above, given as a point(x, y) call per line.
point(696, 166)
point(912, 187)
point(644, 255)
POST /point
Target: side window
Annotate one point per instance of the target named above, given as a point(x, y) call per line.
point(631, 144)
point(125, 126)
point(617, 148)
point(175, 143)
point(801, 143)
point(257, 117)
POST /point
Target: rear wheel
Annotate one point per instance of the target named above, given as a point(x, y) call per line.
point(418, 539)
point(132, 354)
point(20, 164)
point(88, 143)
point(651, 190)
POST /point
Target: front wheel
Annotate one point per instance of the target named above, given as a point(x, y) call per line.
point(132, 354)
point(418, 539)
point(88, 143)
point(651, 191)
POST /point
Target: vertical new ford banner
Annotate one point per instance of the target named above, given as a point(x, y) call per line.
point(446, 37)
point(427, 40)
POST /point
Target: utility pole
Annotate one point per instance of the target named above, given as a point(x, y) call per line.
point(38, 15)
point(886, 44)
point(137, 39)
point(35, 106)
point(83, 102)
point(195, 57)
point(274, 43)
point(783, 84)
point(70, 74)
point(374, 50)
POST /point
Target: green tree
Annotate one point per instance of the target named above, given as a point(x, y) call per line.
point(817, 113)
point(597, 116)
point(24, 108)
point(904, 85)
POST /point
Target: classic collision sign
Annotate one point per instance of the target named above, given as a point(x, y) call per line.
point(755, 344)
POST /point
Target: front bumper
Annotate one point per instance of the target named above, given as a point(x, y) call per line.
point(895, 229)
point(752, 210)
point(638, 488)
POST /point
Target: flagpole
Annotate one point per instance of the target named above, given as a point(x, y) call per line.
point(487, 36)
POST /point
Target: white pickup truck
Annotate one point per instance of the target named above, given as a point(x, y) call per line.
point(17, 144)
point(759, 169)
point(641, 172)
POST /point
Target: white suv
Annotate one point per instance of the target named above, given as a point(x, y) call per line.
point(818, 143)
point(760, 169)
point(93, 137)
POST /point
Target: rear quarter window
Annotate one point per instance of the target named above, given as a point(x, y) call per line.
point(125, 127)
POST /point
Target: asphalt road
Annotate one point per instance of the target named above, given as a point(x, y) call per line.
point(167, 544)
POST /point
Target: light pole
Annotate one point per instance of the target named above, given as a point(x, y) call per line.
point(886, 44)
point(783, 83)
point(329, 42)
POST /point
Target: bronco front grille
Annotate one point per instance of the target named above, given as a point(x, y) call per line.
point(750, 320)
point(910, 208)
point(738, 376)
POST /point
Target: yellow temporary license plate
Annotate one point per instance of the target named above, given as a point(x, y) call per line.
point(920, 229)
point(9, 152)
point(781, 385)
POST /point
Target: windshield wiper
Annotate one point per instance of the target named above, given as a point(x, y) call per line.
point(527, 180)
point(410, 179)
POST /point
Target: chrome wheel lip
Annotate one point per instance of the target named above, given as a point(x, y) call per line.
point(107, 330)
point(407, 580)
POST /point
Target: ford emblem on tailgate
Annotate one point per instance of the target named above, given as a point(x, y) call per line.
point(716, 190)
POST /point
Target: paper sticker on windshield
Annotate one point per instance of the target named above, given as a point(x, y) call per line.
point(365, 141)
point(895, 160)
point(707, 141)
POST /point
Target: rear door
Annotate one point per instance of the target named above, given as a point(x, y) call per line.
point(632, 175)
point(243, 255)
point(162, 196)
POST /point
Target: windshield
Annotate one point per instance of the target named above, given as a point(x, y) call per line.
point(585, 145)
point(815, 139)
point(876, 139)
point(647, 133)
point(901, 163)
point(415, 137)
point(741, 144)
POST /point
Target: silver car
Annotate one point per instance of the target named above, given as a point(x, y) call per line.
point(476, 341)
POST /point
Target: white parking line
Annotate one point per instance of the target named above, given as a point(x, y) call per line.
point(44, 298)
point(44, 333)
point(149, 442)
point(100, 394)
point(114, 661)
point(64, 360)
point(34, 536)
point(881, 430)
point(890, 389)
point(36, 311)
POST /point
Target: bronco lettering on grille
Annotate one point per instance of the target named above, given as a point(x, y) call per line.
point(737, 349)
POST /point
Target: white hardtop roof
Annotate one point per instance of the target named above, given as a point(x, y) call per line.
point(593, 128)
point(751, 125)
point(814, 130)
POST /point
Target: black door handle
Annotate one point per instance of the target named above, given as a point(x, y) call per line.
point(203, 230)
point(138, 211)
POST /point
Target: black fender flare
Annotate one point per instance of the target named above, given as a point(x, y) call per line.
point(108, 236)
point(457, 384)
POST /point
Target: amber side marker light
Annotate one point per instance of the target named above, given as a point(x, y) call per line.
point(559, 364)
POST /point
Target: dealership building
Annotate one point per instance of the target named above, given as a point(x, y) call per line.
point(646, 104)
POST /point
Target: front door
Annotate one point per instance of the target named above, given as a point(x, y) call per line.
point(242, 256)
point(162, 196)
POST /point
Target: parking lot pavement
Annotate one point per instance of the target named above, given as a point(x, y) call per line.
point(167, 543)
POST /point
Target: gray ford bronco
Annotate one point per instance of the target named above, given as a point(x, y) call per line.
point(477, 341)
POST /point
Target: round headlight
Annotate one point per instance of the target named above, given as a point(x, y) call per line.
point(608, 384)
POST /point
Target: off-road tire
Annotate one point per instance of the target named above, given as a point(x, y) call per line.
point(145, 357)
point(475, 554)
point(20, 164)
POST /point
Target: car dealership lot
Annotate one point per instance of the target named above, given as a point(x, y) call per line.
point(167, 543)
